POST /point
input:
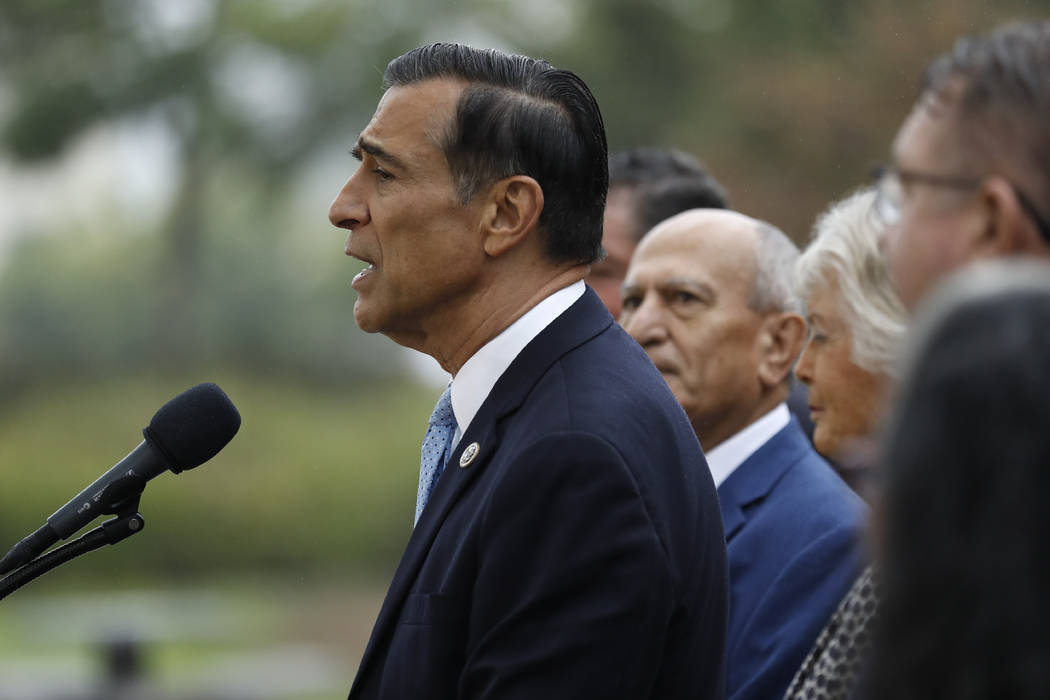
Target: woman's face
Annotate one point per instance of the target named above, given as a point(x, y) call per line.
point(845, 401)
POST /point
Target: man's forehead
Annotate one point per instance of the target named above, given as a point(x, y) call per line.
point(660, 266)
point(711, 248)
point(684, 263)
point(414, 111)
point(711, 237)
point(928, 132)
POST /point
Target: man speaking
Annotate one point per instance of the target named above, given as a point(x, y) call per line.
point(568, 541)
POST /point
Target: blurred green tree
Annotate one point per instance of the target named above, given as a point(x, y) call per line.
point(247, 92)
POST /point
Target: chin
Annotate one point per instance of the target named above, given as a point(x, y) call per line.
point(368, 322)
point(825, 444)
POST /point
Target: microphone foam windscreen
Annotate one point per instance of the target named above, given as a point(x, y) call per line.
point(192, 427)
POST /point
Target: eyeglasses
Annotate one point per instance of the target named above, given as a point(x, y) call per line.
point(889, 193)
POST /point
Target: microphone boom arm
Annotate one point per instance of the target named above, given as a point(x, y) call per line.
point(120, 498)
point(109, 532)
point(114, 499)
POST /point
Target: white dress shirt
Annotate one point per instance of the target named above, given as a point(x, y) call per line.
point(477, 376)
point(727, 456)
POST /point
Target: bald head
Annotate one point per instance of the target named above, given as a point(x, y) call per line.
point(773, 254)
point(695, 298)
point(725, 242)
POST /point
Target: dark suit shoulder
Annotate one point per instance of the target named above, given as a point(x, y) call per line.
point(610, 386)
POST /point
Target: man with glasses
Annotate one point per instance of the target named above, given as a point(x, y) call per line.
point(970, 180)
point(971, 173)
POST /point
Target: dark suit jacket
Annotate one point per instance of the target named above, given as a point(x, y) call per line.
point(793, 532)
point(579, 555)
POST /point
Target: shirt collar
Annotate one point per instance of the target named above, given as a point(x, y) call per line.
point(727, 456)
point(477, 376)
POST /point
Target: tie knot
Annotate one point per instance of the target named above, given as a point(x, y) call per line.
point(443, 415)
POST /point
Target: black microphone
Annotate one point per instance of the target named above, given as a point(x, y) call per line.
point(185, 433)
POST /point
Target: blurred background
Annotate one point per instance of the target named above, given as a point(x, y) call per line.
point(165, 173)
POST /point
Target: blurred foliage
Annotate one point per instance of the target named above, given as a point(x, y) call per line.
point(790, 105)
point(104, 315)
point(313, 483)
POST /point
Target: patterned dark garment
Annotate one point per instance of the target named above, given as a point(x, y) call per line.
point(831, 670)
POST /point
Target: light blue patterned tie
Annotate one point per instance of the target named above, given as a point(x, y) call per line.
point(436, 448)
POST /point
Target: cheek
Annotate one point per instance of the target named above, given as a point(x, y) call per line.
point(714, 378)
point(680, 391)
point(924, 245)
point(836, 426)
point(851, 409)
point(900, 249)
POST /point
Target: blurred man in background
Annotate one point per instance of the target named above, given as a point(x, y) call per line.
point(709, 296)
point(573, 545)
point(646, 186)
point(970, 178)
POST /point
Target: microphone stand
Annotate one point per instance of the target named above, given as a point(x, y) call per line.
point(127, 523)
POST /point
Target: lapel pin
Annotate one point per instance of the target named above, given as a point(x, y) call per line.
point(468, 455)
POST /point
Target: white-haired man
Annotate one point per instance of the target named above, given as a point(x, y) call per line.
point(709, 296)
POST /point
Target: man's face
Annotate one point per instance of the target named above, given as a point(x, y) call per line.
point(933, 236)
point(405, 219)
point(606, 277)
point(685, 301)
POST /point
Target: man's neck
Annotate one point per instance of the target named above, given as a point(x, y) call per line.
point(490, 312)
point(715, 437)
point(728, 455)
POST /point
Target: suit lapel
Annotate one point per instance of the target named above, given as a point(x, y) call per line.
point(733, 517)
point(758, 475)
point(579, 323)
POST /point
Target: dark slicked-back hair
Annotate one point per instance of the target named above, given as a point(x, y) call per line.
point(522, 116)
point(665, 182)
point(1003, 99)
point(965, 566)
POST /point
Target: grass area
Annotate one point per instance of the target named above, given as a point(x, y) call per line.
point(317, 481)
point(247, 638)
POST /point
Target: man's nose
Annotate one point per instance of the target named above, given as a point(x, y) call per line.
point(348, 209)
point(646, 323)
point(804, 366)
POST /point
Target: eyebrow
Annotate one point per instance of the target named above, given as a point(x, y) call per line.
point(706, 291)
point(628, 287)
point(375, 151)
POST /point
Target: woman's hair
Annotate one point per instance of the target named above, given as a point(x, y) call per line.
point(844, 250)
point(965, 570)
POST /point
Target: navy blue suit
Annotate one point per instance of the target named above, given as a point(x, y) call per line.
point(579, 555)
point(792, 530)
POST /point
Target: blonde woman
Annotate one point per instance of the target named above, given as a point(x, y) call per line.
point(856, 323)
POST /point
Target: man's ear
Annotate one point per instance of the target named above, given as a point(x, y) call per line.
point(780, 340)
point(1009, 229)
point(515, 204)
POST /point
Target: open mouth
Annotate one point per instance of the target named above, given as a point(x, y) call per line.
point(364, 273)
point(368, 269)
